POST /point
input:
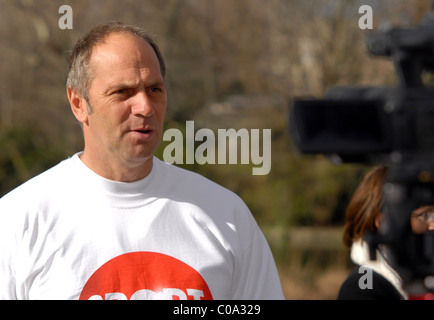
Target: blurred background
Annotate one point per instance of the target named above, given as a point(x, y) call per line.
point(231, 64)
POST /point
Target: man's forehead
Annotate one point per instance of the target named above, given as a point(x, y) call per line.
point(122, 49)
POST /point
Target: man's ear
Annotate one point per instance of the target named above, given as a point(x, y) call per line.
point(78, 105)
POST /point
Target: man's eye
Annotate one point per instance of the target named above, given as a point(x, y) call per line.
point(155, 90)
point(121, 91)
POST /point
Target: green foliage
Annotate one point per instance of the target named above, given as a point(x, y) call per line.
point(25, 152)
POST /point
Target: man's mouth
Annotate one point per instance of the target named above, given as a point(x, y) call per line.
point(143, 131)
point(143, 134)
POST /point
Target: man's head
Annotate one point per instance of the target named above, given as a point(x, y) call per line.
point(80, 73)
point(117, 92)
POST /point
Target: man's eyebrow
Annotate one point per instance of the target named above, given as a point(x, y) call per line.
point(125, 84)
point(157, 83)
point(120, 85)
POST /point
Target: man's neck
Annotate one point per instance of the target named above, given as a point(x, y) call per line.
point(121, 171)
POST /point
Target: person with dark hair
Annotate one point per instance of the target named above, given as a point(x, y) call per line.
point(114, 222)
point(369, 279)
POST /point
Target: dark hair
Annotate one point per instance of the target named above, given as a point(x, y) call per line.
point(365, 206)
point(79, 73)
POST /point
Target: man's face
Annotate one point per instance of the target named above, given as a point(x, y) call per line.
point(128, 101)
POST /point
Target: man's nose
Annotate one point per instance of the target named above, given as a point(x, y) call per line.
point(142, 105)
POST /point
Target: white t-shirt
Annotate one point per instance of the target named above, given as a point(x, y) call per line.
point(71, 234)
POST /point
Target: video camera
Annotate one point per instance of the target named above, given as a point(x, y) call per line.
point(393, 126)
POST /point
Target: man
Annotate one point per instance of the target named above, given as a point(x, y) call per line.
point(114, 222)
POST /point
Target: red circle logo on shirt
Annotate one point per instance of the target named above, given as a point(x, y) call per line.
point(145, 276)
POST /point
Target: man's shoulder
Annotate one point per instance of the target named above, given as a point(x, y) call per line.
point(45, 182)
point(190, 184)
point(191, 179)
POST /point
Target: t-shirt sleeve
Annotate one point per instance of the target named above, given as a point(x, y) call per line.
point(7, 252)
point(257, 278)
